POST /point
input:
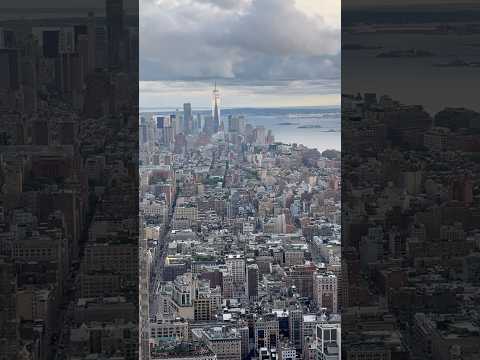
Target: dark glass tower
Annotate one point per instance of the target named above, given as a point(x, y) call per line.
point(114, 19)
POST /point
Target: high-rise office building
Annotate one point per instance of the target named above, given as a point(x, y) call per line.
point(91, 35)
point(10, 80)
point(143, 131)
point(252, 281)
point(236, 266)
point(114, 20)
point(198, 123)
point(51, 40)
point(161, 122)
point(295, 322)
point(187, 118)
point(177, 121)
point(209, 127)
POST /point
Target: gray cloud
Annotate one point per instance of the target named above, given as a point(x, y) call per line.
point(276, 27)
point(241, 40)
point(297, 87)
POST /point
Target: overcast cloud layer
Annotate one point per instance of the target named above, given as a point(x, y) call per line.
point(252, 45)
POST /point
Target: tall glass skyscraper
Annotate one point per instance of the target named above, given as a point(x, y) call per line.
point(216, 108)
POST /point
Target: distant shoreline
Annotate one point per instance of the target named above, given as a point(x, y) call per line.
point(200, 108)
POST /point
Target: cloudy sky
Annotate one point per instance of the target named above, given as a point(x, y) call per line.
point(260, 52)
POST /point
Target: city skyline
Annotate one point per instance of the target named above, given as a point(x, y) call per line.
point(296, 61)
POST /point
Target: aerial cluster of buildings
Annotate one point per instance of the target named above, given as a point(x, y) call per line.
point(411, 235)
point(241, 241)
point(182, 131)
point(68, 187)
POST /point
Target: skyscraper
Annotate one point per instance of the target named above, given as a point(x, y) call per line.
point(91, 33)
point(252, 281)
point(216, 108)
point(236, 265)
point(114, 19)
point(187, 118)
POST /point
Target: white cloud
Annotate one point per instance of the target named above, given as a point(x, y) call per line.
point(329, 10)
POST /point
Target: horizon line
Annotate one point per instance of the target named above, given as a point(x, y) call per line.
point(244, 107)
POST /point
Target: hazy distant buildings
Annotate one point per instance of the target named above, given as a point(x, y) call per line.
point(236, 124)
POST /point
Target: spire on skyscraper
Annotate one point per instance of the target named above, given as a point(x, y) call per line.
point(216, 108)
